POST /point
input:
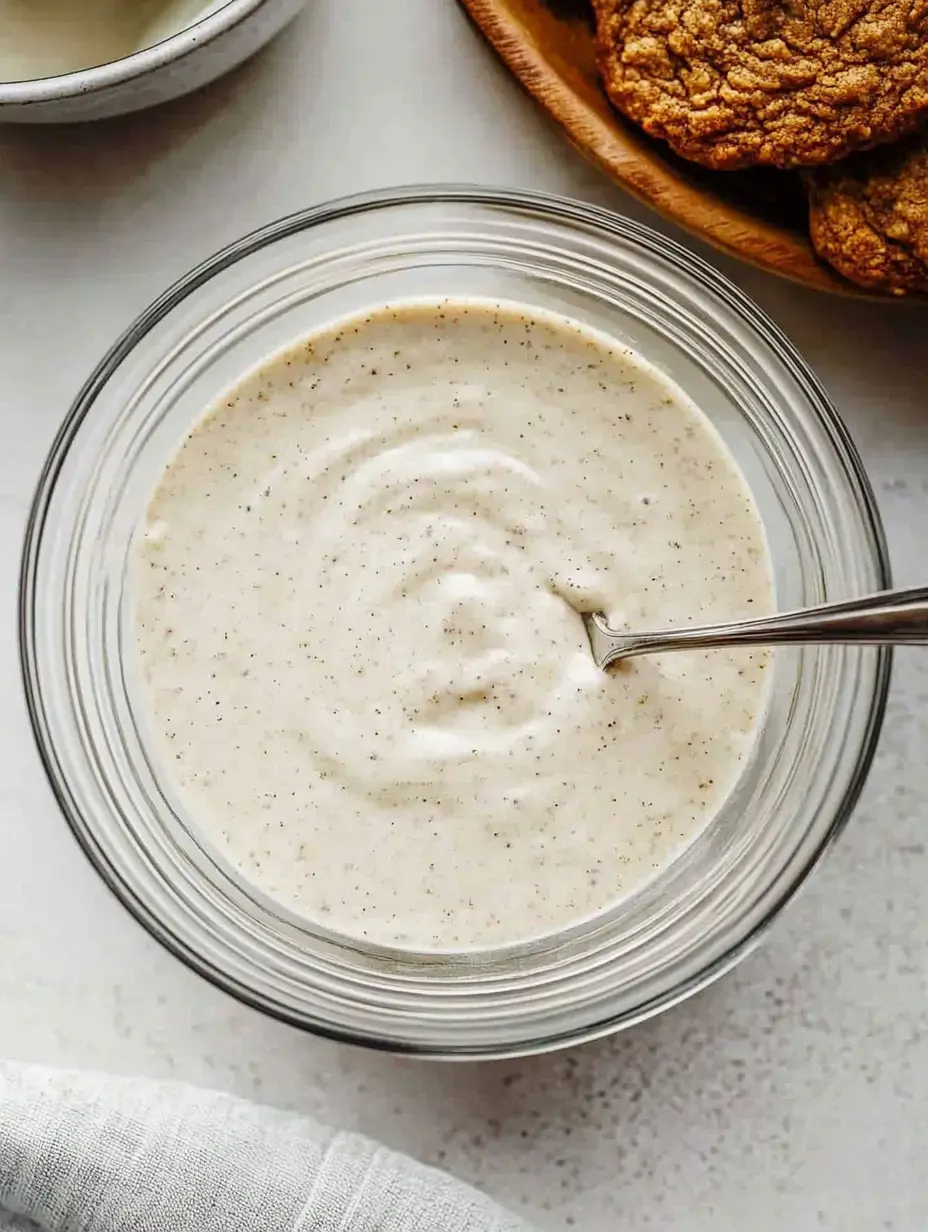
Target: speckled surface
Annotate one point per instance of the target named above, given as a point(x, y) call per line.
point(794, 1094)
point(506, 483)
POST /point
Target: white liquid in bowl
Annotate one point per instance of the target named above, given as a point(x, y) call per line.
point(44, 38)
point(357, 597)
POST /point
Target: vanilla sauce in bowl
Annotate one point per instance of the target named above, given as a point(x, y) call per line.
point(45, 38)
point(357, 598)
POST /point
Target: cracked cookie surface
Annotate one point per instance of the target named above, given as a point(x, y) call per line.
point(868, 217)
point(734, 84)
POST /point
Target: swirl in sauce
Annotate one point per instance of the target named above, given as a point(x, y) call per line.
point(357, 611)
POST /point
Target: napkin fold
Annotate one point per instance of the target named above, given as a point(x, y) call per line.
point(82, 1152)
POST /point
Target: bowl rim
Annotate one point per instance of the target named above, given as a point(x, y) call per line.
point(139, 64)
point(559, 209)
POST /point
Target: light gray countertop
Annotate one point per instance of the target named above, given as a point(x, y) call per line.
point(791, 1096)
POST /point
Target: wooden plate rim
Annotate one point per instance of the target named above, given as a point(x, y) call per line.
point(643, 172)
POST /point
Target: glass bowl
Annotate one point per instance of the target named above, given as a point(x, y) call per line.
point(825, 706)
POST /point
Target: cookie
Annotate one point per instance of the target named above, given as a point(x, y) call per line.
point(868, 217)
point(783, 83)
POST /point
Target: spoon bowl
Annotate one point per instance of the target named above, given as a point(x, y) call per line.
point(889, 618)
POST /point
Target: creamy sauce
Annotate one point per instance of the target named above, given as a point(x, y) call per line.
point(357, 598)
point(41, 38)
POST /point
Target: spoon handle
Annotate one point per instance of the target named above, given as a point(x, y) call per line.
point(893, 617)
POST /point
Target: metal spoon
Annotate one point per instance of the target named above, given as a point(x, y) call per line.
point(893, 617)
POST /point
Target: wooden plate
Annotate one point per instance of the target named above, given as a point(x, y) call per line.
point(757, 215)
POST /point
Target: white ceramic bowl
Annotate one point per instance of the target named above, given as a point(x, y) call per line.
point(183, 62)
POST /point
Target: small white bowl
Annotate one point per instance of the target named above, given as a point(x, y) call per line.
point(181, 63)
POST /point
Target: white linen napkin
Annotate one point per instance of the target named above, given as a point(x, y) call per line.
point(84, 1152)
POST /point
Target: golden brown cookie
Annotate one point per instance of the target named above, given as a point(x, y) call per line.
point(787, 83)
point(869, 217)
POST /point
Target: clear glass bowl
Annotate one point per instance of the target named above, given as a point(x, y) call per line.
point(694, 920)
